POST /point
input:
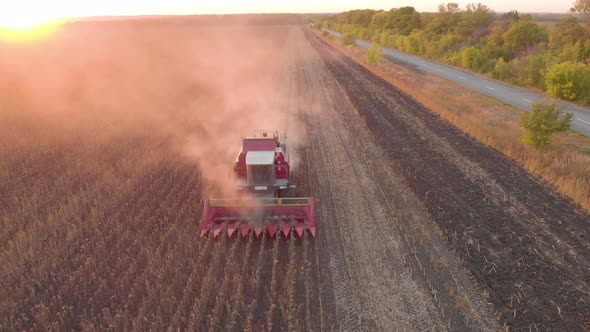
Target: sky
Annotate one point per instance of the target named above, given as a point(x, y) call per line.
point(39, 9)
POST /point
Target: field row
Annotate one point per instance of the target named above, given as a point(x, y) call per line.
point(134, 261)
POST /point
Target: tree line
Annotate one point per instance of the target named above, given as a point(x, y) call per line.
point(509, 46)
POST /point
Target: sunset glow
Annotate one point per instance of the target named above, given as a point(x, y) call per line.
point(20, 22)
point(27, 13)
point(33, 19)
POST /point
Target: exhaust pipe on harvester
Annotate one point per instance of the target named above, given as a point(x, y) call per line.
point(259, 215)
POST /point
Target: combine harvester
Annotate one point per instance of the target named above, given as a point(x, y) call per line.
point(262, 172)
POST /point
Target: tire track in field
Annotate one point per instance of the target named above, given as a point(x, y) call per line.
point(413, 310)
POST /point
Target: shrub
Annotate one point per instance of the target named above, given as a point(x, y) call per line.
point(471, 58)
point(491, 50)
point(502, 70)
point(575, 52)
point(410, 45)
point(545, 120)
point(376, 37)
point(364, 33)
point(390, 40)
point(454, 58)
point(569, 80)
point(384, 38)
point(348, 39)
point(534, 71)
point(374, 53)
point(447, 43)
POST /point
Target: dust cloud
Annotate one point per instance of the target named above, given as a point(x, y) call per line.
point(199, 88)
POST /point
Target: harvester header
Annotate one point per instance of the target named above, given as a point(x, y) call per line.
point(263, 172)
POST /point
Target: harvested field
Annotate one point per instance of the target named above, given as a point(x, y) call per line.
point(524, 243)
point(418, 226)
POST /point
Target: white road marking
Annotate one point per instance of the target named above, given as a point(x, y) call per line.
point(461, 77)
point(441, 70)
point(490, 88)
point(528, 101)
point(586, 122)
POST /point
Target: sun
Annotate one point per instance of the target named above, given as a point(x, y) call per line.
point(26, 26)
point(23, 20)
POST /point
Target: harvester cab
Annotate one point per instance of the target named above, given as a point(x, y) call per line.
point(261, 171)
point(263, 165)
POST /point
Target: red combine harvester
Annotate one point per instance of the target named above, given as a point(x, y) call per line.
point(262, 171)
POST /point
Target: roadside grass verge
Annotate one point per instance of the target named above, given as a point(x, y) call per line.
point(565, 164)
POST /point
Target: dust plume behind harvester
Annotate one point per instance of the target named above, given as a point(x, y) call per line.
point(262, 176)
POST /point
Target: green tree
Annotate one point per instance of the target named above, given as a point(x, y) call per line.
point(449, 8)
point(567, 32)
point(581, 7)
point(403, 20)
point(512, 15)
point(475, 20)
point(448, 17)
point(524, 34)
point(545, 120)
point(360, 17)
point(498, 28)
point(569, 80)
point(379, 20)
point(496, 32)
point(374, 53)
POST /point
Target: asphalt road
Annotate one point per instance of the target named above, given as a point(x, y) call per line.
point(507, 93)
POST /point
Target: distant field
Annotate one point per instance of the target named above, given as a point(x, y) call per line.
point(550, 20)
point(548, 17)
point(548, 25)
